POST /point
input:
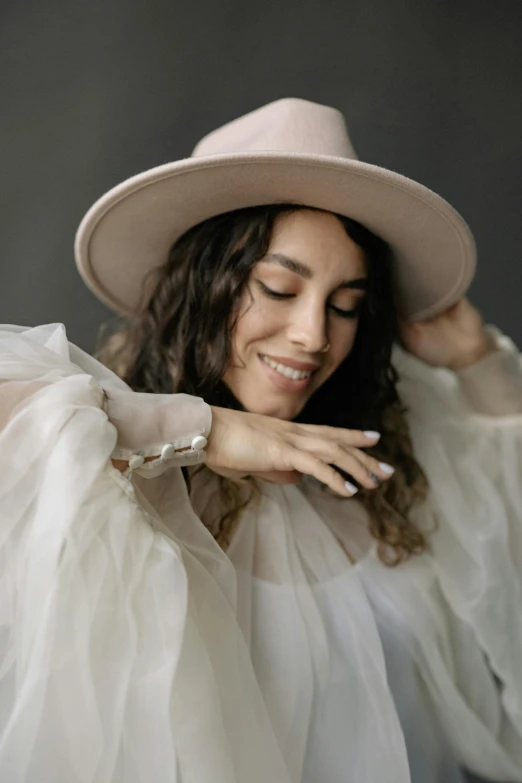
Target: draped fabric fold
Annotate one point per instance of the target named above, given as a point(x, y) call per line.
point(435, 643)
point(134, 650)
point(474, 464)
point(121, 659)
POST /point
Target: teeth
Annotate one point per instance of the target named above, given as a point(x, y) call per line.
point(288, 372)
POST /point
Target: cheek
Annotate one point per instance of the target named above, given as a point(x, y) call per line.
point(256, 322)
point(341, 344)
point(342, 340)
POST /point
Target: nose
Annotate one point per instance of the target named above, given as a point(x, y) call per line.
point(308, 328)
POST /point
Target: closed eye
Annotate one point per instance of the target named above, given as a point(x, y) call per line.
point(337, 310)
point(346, 313)
point(273, 294)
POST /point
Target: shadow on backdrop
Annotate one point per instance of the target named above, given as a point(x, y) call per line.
point(93, 93)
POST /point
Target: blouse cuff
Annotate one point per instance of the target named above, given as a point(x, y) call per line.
point(493, 385)
point(171, 428)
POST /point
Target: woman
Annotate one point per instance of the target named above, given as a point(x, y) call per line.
point(299, 633)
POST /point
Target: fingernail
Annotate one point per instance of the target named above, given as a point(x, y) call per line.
point(386, 468)
point(350, 487)
point(372, 434)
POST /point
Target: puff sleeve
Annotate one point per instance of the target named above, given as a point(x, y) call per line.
point(467, 434)
point(121, 660)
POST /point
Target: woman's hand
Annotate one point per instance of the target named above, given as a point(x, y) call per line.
point(454, 339)
point(242, 444)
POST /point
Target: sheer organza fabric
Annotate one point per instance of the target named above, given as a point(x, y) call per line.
point(133, 649)
point(121, 659)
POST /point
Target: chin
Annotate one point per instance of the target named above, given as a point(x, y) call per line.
point(276, 410)
point(278, 406)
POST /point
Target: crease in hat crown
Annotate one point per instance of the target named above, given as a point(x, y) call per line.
point(289, 125)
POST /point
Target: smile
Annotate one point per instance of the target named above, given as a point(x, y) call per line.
point(287, 372)
point(284, 378)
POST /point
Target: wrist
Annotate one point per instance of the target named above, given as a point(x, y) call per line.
point(474, 354)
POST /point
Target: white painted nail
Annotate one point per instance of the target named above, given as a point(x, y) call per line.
point(350, 487)
point(372, 434)
point(386, 468)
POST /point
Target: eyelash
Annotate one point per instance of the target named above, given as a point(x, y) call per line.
point(341, 313)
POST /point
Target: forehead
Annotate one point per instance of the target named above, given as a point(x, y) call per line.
point(319, 241)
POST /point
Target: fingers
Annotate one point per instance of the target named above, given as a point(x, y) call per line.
point(366, 470)
point(280, 451)
point(309, 464)
point(344, 437)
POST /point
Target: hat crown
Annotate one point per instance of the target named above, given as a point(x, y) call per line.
point(289, 125)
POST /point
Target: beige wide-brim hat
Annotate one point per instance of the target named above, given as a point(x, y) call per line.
point(288, 151)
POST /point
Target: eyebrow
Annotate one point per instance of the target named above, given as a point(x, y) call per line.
point(360, 283)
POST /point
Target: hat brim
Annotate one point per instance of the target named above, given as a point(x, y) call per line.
point(129, 231)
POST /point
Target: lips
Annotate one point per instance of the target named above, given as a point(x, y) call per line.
point(288, 372)
point(295, 365)
point(281, 380)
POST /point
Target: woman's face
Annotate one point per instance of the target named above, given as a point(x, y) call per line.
point(306, 292)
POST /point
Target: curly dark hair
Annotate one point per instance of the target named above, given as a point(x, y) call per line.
point(180, 341)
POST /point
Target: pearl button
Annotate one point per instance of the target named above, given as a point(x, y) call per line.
point(198, 443)
point(136, 461)
point(168, 451)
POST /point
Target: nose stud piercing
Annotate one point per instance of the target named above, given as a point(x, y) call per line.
point(325, 348)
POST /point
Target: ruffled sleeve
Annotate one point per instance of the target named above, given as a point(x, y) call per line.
point(467, 435)
point(121, 660)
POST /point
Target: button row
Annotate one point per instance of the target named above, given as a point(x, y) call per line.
point(198, 443)
point(168, 451)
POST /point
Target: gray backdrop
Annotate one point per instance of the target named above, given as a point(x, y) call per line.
point(92, 92)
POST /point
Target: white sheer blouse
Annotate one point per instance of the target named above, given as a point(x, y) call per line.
point(134, 650)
